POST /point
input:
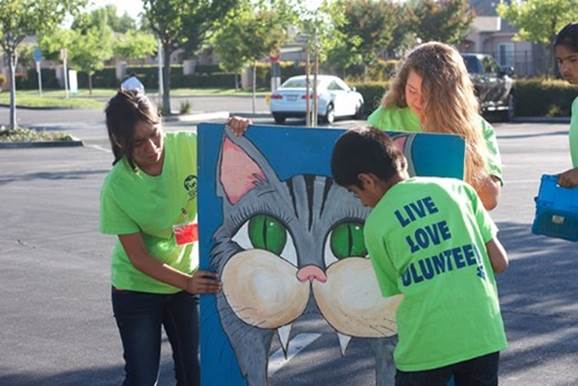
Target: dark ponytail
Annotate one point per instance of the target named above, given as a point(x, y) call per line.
point(123, 112)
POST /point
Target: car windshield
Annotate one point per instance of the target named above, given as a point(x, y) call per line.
point(472, 64)
point(299, 83)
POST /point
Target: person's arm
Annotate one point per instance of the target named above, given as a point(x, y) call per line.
point(200, 282)
point(382, 265)
point(489, 191)
point(498, 255)
point(569, 178)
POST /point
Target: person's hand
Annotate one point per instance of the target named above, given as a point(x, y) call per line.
point(203, 282)
point(569, 178)
point(238, 125)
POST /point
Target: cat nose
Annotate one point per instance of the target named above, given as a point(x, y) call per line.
point(310, 273)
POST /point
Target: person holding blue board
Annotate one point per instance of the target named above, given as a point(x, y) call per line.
point(431, 240)
point(566, 50)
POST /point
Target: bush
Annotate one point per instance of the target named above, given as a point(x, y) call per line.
point(29, 81)
point(185, 107)
point(539, 97)
point(372, 94)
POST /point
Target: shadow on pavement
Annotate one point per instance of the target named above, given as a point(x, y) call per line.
point(68, 175)
point(519, 136)
point(103, 376)
point(539, 300)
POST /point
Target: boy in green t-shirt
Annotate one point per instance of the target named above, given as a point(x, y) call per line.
point(431, 240)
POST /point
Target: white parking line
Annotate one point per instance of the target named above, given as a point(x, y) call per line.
point(298, 343)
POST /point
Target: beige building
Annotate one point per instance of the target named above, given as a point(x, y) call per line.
point(492, 35)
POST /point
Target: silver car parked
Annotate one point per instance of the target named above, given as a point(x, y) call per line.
point(335, 99)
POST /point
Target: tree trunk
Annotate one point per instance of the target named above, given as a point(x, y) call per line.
point(254, 86)
point(167, 79)
point(12, 75)
point(90, 83)
point(236, 82)
point(307, 93)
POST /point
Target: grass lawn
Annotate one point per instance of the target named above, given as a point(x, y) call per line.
point(83, 100)
point(31, 99)
point(29, 135)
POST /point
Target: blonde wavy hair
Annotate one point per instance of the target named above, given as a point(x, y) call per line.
point(450, 105)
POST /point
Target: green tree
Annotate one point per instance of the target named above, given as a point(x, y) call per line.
point(93, 42)
point(134, 45)
point(181, 24)
point(320, 29)
point(119, 24)
point(20, 18)
point(250, 32)
point(538, 21)
point(445, 21)
point(367, 29)
point(404, 34)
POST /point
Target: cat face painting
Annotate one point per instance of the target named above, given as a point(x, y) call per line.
point(291, 256)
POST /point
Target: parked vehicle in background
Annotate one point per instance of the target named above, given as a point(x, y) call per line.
point(493, 84)
point(335, 99)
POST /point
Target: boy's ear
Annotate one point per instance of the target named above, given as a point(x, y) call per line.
point(366, 180)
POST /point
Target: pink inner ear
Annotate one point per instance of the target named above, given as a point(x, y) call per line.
point(239, 172)
point(400, 141)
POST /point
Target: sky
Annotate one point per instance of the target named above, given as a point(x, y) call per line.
point(133, 7)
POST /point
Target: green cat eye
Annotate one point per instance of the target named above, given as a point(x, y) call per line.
point(266, 232)
point(347, 240)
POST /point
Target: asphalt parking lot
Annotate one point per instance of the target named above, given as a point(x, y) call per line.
point(55, 315)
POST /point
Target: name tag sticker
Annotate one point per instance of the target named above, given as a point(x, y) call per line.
point(186, 233)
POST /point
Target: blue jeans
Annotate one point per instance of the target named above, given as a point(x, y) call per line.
point(480, 371)
point(139, 317)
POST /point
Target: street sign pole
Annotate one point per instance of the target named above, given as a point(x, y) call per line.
point(64, 55)
point(38, 59)
point(39, 72)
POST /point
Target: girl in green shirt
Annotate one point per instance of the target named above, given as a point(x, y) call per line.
point(149, 201)
point(566, 50)
point(432, 92)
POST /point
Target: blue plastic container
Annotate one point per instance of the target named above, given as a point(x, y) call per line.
point(556, 210)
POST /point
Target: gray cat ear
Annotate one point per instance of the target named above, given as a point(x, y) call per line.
point(241, 167)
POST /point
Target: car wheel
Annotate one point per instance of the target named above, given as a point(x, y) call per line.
point(329, 114)
point(279, 119)
point(359, 111)
point(508, 114)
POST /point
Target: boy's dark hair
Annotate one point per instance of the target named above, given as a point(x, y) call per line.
point(123, 112)
point(568, 37)
point(365, 150)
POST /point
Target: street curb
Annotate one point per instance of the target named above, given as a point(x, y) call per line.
point(200, 117)
point(540, 120)
point(75, 142)
point(47, 108)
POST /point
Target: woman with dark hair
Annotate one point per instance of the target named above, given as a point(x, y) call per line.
point(149, 201)
point(566, 50)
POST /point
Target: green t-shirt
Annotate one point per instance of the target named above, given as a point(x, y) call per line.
point(426, 239)
point(574, 133)
point(403, 119)
point(133, 202)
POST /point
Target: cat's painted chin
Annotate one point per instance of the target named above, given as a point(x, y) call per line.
point(266, 291)
point(262, 289)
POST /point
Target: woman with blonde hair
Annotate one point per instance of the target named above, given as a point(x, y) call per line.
point(432, 92)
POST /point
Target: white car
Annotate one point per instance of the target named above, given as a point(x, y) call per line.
point(336, 99)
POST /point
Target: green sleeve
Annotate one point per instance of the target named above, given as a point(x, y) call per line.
point(375, 118)
point(113, 219)
point(494, 160)
point(382, 264)
point(486, 225)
